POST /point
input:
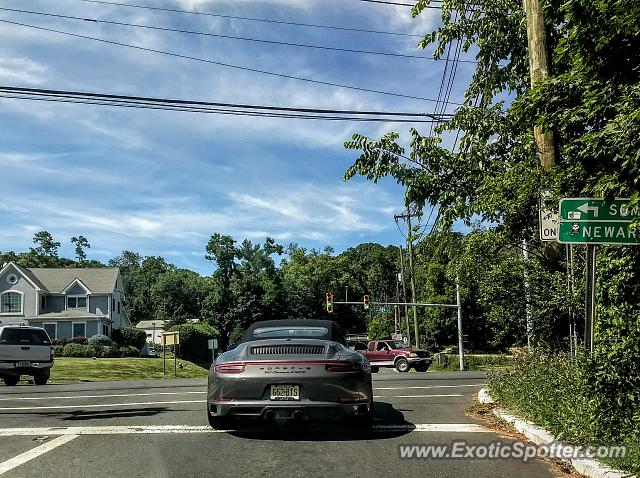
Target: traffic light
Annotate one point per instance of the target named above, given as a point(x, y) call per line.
point(329, 298)
point(365, 299)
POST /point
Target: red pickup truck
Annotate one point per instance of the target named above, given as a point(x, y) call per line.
point(394, 353)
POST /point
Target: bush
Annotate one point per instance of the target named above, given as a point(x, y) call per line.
point(129, 352)
point(78, 350)
point(193, 341)
point(130, 337)
point(58, 350)
point(558, 393)
point(100, 340)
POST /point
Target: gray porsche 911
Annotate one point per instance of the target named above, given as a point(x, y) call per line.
point(290, 369)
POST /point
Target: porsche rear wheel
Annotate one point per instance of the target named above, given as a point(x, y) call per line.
point(217, 422)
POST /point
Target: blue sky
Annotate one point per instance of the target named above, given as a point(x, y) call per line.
point(160, 183)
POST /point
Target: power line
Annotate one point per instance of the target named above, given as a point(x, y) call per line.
point(228, 65)
point(210, 107)
point(235, 17)
point(383, 2)
point(218, 35)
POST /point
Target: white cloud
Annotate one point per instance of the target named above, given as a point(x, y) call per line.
point(21, 71)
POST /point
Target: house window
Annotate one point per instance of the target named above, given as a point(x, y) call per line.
point(52, 330)
point(11, 303)
point(79, 329)
point(118, 307)
point(77, 302)
point(113, 304)
point(43, 302)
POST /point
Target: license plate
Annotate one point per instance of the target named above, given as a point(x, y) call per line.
point(285, 392)
point(24, 364)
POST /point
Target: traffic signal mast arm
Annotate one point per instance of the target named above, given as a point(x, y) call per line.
point(408, 304)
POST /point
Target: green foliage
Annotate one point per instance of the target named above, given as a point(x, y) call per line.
point(380, 327)
point(451, 362)
point(569, 398)
point(81, 243)
point(129, 351)
point(78, 350)
point(98, 351)
point(194, 341)
point(130, 337)
point(99, 340)
point(46, 245)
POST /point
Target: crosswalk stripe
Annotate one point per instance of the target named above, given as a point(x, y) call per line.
point(35, 452)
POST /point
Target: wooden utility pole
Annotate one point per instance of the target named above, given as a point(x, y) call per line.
point(412, 277)
point(412, 281)
point(539, 70)
point(404, 296)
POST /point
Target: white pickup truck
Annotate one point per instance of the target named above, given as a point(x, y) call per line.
point(25, 351)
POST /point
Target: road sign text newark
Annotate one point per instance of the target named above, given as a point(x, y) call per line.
point(595, 221)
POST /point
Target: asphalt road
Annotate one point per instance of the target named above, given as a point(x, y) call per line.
point(159, 429)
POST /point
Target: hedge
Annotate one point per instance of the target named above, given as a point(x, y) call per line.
point(87, 351)
point(193, 341)
point(130, 337)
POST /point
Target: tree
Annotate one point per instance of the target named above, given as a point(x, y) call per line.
point(81, 243)
point(46, 245)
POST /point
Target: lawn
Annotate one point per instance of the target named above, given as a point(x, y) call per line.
point(66, 369)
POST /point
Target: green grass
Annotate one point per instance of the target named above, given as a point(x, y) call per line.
point(475, 362)
point(66, 369)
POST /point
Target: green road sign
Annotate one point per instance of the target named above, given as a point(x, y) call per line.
point(590, 209)
point(598, 232)
point(596, 221)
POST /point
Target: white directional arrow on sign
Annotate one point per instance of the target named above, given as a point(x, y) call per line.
point(585, 208)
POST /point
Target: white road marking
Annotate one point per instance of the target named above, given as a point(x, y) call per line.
point(99, 405)
point(175, 402)
point(415, 396)
point(428, 386)
point(172, 429)
point(35, 452)
point(73, 397)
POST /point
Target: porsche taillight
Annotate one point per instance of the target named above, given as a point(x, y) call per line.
point(229, 368)
point(344, 367)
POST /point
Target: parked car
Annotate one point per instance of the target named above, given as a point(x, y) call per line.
point(290, 369)
point(394, 353)
point(25, 351)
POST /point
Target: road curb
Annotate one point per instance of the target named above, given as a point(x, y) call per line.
point(586, 466)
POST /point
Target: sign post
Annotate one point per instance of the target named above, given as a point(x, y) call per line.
point(213, 346)
point(593, 221)
point(170, 338)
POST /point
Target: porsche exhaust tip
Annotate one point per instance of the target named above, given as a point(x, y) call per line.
point(269, 414)
point(298, 415)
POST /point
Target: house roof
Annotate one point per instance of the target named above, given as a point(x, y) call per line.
point(148, 324)
point(71, 314)
point(100, 280)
